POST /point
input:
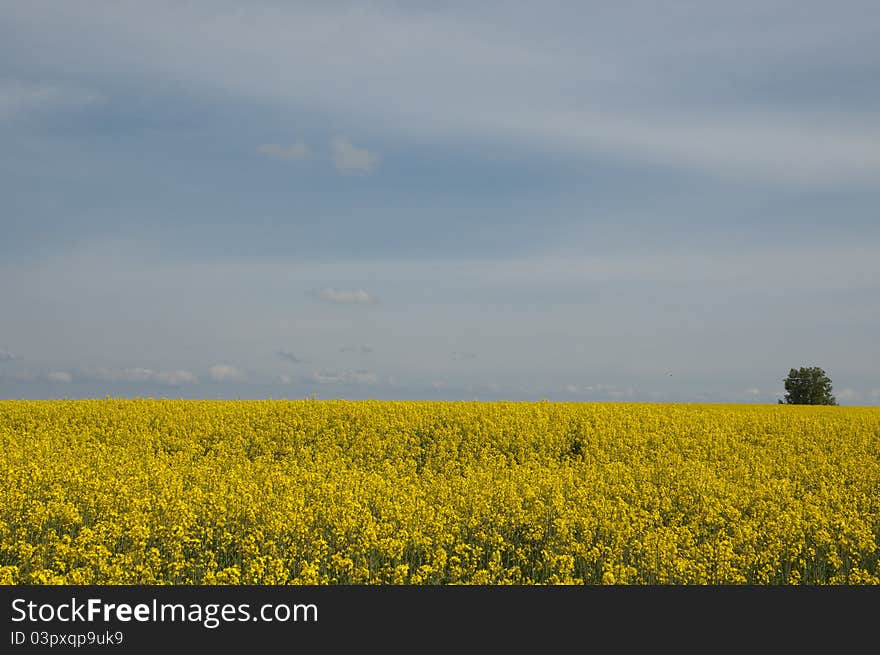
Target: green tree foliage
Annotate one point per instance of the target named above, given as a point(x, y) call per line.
point(808, 386)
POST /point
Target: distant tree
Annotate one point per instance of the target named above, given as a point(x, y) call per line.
point(808, 386)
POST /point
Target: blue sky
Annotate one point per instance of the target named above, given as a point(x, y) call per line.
point(646, 201)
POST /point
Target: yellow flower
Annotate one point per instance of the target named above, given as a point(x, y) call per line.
point(151, 491)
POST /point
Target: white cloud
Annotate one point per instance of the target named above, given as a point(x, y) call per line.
point(346, 297)
point(285, 379)
point(6, 356)
point(551, 79)
point(559, 269)
point(847, 395)
point(127, 375)
point(60, 376)
point(295, 152)
point(741, 279)
point(603, 390)
point(350, 159)
point(19, 98)
point(787, 148)
point(363, 350)
point(25, 376)
point(176, 378)
point(344, 377)
point(225, 373)
point(756, 395)
point(172, 378)
point(365, 377)
point(325, 377)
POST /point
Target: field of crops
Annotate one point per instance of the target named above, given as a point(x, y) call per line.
point(327, 492)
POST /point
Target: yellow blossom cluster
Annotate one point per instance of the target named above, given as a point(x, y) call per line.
point(372, 492)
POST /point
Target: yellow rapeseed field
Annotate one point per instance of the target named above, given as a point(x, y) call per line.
point(329, 492)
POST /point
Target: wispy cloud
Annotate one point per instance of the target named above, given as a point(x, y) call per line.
point(502, 116)
point(346, 296)
point(294, 152)
point(788, 148)
point(348, 158)
point(847, 395)
point(756, 395)
point(600, 391)
point(225, 373)
point(659, 102)
point(602, 388)
point(345, 377)
point(176, 378)
point(170, 378)
point(288, 356)
point(363, 350)
point(6, 356)
point(21, 98)
point(60, 376)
